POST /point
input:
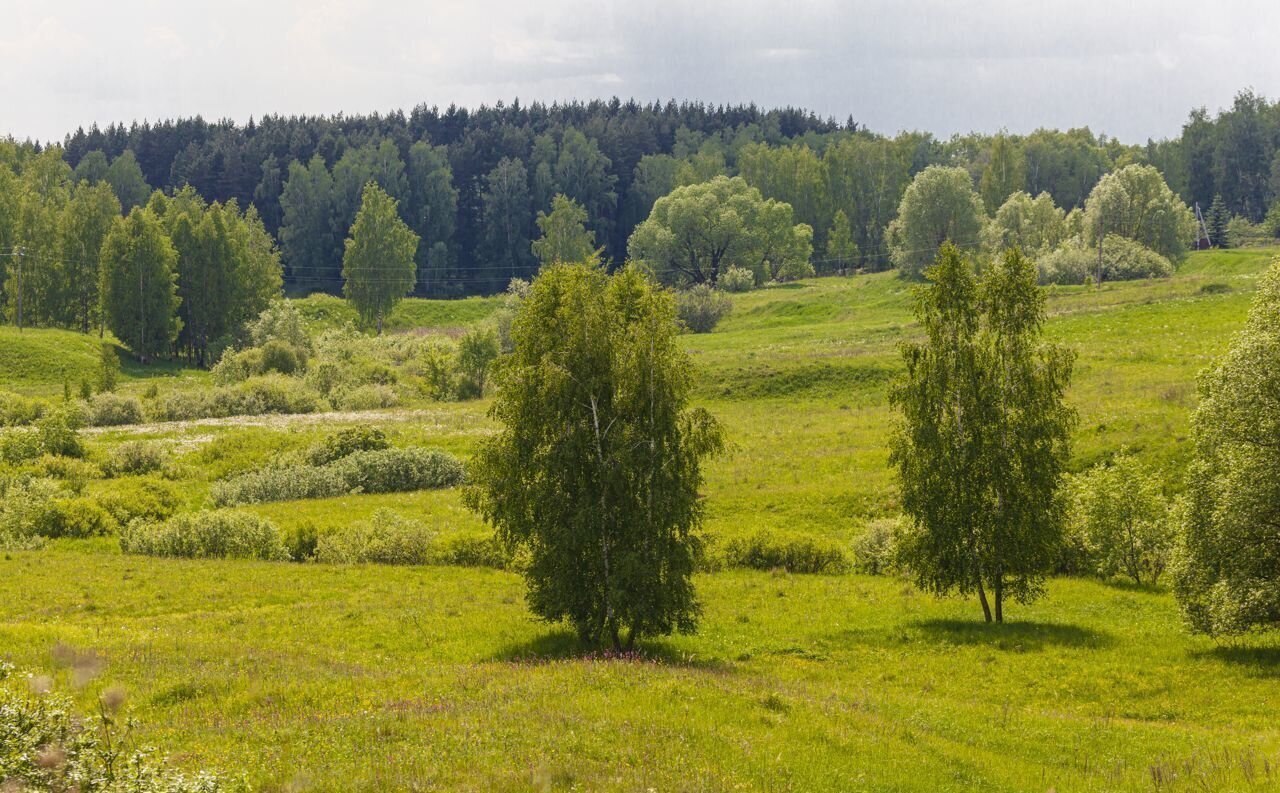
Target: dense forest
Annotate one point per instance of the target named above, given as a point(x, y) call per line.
point(471, 183)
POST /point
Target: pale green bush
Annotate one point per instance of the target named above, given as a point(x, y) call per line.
point(283, 483)
point(701, 308)
point(113, 410)
point(386, 538)
point(875, 549)
point(347, 441)
point(791, 551)
point(134, 457)
point(736, 279)
point(215, 534)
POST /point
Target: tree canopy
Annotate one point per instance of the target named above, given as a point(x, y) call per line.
point(139, 284)
point(938, 206)
point(378, 268)
point(596, 466)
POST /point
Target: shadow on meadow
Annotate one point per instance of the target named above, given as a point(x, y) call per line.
point(1258, 661)
point(1017, 636)
point(563, 645)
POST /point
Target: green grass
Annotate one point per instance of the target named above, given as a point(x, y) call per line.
point(322, 312)
point(374, 678)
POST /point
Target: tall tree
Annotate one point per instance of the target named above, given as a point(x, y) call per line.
point(307, 233)
point(596, 467)
point(85, 224)
point(432, 211)
point(842, 251)
point(139, 284)
point(938, 206)
point(1005, 173)
point(565, 238)
point(582, 173)
point(865, 179)
point(1134, 202)
point(378, 268)
point(1228, 581)
point(1217, 220)
point(36, 289)
point(127, 181)
point(983, 435)
point(505, 246)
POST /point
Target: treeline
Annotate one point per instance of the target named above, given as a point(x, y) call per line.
point(470, 183)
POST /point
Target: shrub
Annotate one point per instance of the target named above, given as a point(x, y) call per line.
point(59, 432)
point(108, 368)
point(347, 441)
point(790, 551)
point(386, 538)
point(736, 279)
point(29, 507)
point(75, 473)
point(399, 470)
point(476, 549)
point(140, 497)
point(281, 356)
point(215, 534)
point(17, 411)
point(135, 457)
point(371, 396)
point(1122, 260)
point(77, 517)
point(701, 308)
point(280, 321)
point(113, 410)
point(301, 542)
point(1120, 513)
point(272, 393)
point(875, 550)
point(283, 483)
point(20, 444)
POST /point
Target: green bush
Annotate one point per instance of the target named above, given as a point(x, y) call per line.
point(29, 507)
point(370, 396)
point(1122, 260)
point(472, 549)
point(17, 411)
point(135, 457)
point(399, 470)
point(790, 551)
point(147, 498)
point(282, 483)
point(19, 444)
point(215, 534)
point(272, 393)
point(875, 550)
point(113, 410)
point(373, 471)
point(386, 538)
point(347, 441)
point(736, 279)
point(280, 356)
point(59, 432)
point(78, 517)
point(301, 542)
point(701, 308)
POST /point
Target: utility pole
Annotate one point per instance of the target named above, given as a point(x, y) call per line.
point(20, 252)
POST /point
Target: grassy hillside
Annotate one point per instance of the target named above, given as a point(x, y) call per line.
point(373, 678)
point(38, 361)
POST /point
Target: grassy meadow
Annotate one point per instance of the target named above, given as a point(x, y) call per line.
point(339, 678)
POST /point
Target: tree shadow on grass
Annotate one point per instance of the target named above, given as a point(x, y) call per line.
point(1013, 636)
point(564, 645)
point(1259, 661)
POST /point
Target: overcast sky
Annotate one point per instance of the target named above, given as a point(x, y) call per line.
point(1130, 69)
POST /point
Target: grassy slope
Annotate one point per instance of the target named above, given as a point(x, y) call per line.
point(373, 678)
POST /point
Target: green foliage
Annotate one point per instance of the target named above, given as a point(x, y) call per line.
point(1134, 202)
point(135, 457)
point(477, 350)
point(565, 237)
point(345, 442)
point(938, 206)
point(505, 246)
point(378, 267)
point(271, 393)
point(16, 410)
point(127, 181)
point(699, 230)
point(984, 433)
point(736, 279)
point(596, 466)
point(139, 287)
point(59, 431)
point(45, 745)
point(371, 471)
point(114, 410)
point(1036, 225)
point(147, 498)
point(108, 374)
point(212, 534)
point(386, 538)
point(875, 550)
point(1216, 220)
point(700, 307)
point(795, 552)
point(1004, 174)
point(281, 322)
point(1122, 260)
point(1119, 514)
point(1228, 576)
point(842, 250)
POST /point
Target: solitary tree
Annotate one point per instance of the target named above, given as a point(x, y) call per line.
point(983, 434)
point(139, 284)
point(565, 238)
point(939, 206)
point(596, 466)
point(1135, 202)
point(1217, 221)
point(378, 267)
point(1228, 579)
point(696, 232)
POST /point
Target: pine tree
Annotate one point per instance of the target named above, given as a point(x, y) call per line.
point(1217, 221)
